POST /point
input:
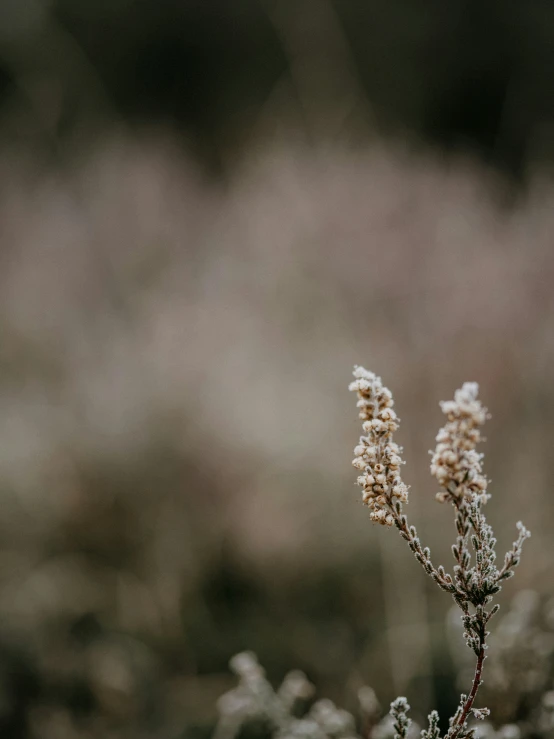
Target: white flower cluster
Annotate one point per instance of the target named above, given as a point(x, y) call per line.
point(377, 456)
point(455, 463)
point(254, 700)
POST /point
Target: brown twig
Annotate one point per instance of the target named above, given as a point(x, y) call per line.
point(454, 731)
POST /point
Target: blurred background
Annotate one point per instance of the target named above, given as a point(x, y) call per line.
point(209, 211)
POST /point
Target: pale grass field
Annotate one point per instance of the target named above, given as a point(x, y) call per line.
point(175, 361)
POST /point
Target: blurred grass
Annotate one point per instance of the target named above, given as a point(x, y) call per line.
point(175, 430)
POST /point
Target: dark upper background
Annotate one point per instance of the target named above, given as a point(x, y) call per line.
point(209, 212)
point(469, 76)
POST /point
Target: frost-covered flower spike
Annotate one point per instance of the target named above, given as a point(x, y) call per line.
point(458, 468)
point(377, 456)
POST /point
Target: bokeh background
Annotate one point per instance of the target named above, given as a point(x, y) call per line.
point(209, 211)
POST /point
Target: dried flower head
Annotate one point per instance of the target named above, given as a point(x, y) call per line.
point(456, 464)
point(377, 456)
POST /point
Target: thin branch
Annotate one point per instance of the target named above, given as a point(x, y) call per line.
point(459, 723)
point(423, 555)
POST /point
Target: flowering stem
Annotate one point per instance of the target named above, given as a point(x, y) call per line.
point(457, 467)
